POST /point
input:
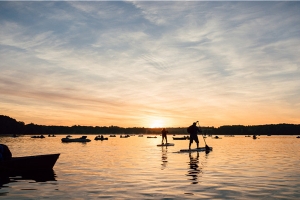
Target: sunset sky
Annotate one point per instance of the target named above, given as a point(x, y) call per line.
point(150, 64)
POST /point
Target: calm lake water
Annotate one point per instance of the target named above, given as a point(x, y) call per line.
point(135, 168)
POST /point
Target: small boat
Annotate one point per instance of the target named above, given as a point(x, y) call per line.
point(51, 135)
point(100, 137)
point(124, 136)
point(181, 138)
point(82, 139)
point(254, 137)
point(217, 137)
point(141, 136)
point(29, 163)
point(38, 136)
point(298, 137)
point(112, 135)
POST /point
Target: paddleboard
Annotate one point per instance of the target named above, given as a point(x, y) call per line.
point(164, 145)
point(196, 149)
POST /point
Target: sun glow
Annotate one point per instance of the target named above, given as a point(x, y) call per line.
point(157, 123)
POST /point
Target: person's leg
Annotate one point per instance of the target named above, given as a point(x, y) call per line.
point(191, 141)
point(197, 141)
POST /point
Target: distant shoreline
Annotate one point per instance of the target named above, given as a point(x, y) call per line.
point(10, 126)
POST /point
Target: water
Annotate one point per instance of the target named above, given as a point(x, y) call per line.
point(135, 168)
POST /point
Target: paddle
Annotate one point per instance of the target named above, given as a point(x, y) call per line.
point(206, 146)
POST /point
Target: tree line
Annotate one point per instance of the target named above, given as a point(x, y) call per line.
point(10, 126)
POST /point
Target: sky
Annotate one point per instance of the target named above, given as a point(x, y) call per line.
point(150, 64)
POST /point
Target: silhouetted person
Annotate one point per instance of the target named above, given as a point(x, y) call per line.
point(164, 135)
point(5, 153)
point(194, 134)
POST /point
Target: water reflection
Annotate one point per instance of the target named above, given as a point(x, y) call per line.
point(37, 176)
point(194, 170)
point(164, 157)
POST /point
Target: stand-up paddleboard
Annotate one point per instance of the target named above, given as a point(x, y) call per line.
point(196, 149)
point(165, 144)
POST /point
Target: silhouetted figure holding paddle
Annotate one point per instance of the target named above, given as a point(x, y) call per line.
point(164, 136)
point(193, 131)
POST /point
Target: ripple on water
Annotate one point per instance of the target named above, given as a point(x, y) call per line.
point(135, 168)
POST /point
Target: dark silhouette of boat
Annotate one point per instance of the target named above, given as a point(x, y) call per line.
point(51, 135)
point(38, 136)
point(124, 136)
point(181, 138)
point(69, 139)
point(100, 137)
point(29, 163)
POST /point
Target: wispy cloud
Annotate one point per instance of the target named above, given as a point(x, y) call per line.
point(125, 63)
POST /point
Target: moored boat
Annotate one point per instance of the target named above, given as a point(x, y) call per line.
point(82, 139)
point(38, 136)
point(51, 135)
point(29, 163)
point(181, 138)
point(124, 136)
point(100, 137)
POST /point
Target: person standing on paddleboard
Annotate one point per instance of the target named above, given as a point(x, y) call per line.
point(193, 131)
point(164, 135)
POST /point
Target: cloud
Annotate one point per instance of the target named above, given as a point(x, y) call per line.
point(133, 60)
